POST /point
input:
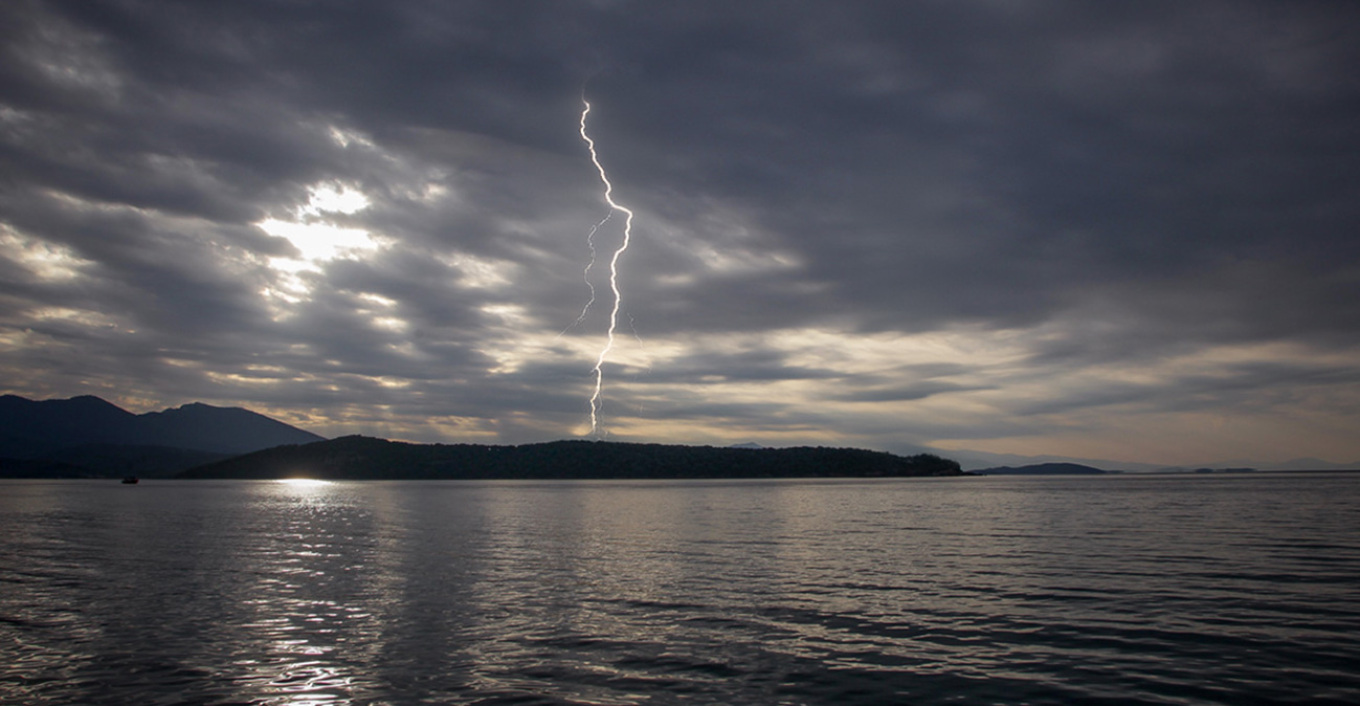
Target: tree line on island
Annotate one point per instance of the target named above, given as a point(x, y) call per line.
point(364, 458)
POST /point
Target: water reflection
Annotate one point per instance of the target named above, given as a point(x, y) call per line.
point(614, 592)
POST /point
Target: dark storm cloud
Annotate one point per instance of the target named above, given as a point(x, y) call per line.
point(1244, 388)
point(917, 391)
point(1099, 185)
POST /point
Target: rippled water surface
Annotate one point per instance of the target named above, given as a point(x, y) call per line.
point(1133, 589)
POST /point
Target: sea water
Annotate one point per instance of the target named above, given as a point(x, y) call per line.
point(1192, 589)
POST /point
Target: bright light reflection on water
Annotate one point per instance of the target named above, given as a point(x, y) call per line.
point(303, 482)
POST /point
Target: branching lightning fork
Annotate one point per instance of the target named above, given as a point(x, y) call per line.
point(590, 241)
point(595, 399)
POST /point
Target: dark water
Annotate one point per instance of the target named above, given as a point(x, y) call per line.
point(1175, 590)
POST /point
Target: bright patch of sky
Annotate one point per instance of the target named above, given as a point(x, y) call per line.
point(318, 238)
point(46, 260)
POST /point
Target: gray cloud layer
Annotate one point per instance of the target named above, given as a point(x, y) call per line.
point(1015, 226)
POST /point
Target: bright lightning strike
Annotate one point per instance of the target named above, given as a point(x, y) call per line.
point(595, 401)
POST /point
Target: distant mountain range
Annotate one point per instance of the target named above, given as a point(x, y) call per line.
point(90, 437)
point(87, 437)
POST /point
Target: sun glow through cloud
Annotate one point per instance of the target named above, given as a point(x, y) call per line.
point(318, 239)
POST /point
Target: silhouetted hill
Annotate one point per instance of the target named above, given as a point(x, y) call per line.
point(229, 430)
point(30, 428)
point(363, 458)
point(51, 424)
point(1042, 469)
point(41, 468)
point(101, 439)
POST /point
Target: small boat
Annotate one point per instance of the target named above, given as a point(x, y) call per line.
point(129, 480)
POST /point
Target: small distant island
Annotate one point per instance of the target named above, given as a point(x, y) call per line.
point(1043, 469)
point(366, 458)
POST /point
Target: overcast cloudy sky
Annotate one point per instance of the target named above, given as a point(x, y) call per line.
point(1121, 231)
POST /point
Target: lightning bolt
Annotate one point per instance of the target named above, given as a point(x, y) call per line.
point(590, 241)
point(595, 401)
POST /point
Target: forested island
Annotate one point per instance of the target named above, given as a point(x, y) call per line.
point(366, 458)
